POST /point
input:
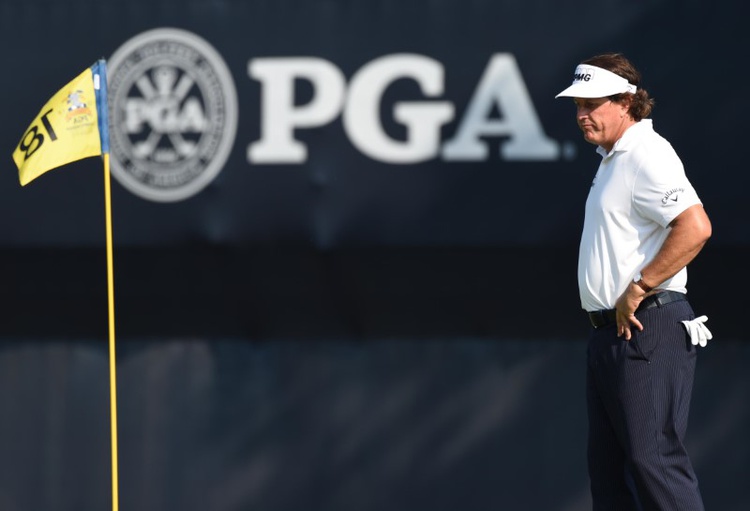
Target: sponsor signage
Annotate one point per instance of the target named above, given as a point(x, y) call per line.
point(381, 124)
point(174, 112)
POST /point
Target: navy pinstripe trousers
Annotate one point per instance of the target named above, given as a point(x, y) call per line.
point(638, 398)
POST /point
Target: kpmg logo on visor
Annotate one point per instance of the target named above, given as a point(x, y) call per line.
point(173, 112)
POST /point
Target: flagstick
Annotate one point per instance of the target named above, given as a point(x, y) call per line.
point(111, 301)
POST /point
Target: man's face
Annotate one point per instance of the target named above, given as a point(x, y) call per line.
point(602, 121)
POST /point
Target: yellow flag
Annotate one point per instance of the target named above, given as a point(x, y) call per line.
point(71, 126)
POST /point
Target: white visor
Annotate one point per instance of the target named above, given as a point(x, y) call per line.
point(596, 82)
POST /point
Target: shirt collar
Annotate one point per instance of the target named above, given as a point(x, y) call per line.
point(629, 138)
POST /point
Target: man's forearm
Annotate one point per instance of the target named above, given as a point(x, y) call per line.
point(689, 233)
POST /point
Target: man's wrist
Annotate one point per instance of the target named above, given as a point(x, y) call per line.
point(638, 281)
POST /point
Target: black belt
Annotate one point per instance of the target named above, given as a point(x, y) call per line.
point(607, 316)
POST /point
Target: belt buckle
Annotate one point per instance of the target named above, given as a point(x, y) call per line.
point(602, 318)
point(598, 318)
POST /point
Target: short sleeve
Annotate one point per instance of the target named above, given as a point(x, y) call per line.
point(661, 189)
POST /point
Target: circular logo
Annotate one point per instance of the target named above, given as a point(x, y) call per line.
point(173, 114)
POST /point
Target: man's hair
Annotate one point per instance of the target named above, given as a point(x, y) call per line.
point(640, 102)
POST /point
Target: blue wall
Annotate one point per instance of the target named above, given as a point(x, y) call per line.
point(388, 319)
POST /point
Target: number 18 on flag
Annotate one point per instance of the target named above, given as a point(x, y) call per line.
point(71, 126)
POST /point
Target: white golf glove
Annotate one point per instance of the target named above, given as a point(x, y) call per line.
point(697, 331)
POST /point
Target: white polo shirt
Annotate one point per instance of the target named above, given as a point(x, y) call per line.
point(639, 189)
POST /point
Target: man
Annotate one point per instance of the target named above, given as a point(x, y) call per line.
point(643, 224)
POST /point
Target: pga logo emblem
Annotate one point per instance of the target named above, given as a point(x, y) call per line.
point(174, 112)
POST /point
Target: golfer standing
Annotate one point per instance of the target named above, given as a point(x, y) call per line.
point(643, 224)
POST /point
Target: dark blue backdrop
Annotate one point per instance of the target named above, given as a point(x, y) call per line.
point(344, 332)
